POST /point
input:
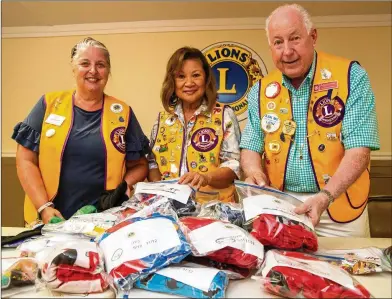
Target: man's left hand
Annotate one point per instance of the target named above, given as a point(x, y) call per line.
point(313, 207)
point(195, 179)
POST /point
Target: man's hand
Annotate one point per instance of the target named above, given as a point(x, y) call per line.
point(258, 178)
point(313, 207)
point(48, 213)
point(195, 179)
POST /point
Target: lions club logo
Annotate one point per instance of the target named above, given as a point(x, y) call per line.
point(118, 139)
point(328, 113)
point(236, 68)
point(204, 140)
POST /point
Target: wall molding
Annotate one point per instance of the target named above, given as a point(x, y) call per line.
point(374, 156)
point(343, 21)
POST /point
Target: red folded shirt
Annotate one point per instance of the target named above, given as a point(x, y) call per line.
point(297, 283)
point(228, 254)
point(291, 236)
point(74, 268)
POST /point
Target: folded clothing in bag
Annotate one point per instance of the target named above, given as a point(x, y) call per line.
point(74, 267)
point(139, 246)
point(180, 197)
point(275, 224)
point(188, 280)
point(298, 275)
point(225, 211)
point(222, 242)
point(17, 272)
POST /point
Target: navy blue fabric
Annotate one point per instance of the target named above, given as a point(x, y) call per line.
point(83, 168)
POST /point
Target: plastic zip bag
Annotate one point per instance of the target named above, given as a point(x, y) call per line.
point(358, 261)
point(182, 198)
point(140, 246)
point(18, 272)
point(270, 215)
point(230, 212)
point(87, 226)
point(74, 267)
point(298, 275)
point(222, 242)
point(188, 280)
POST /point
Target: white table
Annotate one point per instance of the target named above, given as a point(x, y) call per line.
point(379, 284)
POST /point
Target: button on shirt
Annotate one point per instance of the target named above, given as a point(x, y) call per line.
point(359, 126)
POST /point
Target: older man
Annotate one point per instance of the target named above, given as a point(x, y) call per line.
point(314, 120)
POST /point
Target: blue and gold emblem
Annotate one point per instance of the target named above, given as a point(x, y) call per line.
point(236, 68)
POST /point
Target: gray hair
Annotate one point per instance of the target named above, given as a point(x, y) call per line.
point(302, 11)
point(84, 44)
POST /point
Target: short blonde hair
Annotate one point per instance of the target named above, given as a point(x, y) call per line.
point(174, 65)
point(84, 44)
point(300, 9)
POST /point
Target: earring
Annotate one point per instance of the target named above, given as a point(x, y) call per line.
point(173, 100)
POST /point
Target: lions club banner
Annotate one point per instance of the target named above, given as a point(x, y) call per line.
point(236, 68)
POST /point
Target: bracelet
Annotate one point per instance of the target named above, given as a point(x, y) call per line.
point(45, 205)
point(329, 195)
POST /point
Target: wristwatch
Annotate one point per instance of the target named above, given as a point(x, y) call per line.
point(329, 195)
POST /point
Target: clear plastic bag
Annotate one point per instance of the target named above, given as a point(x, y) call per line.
point(188, 280)
point(18, 272)
point(358, 261)
point(182, 198)
point(140, 246)
point(87, 226)
point(269, 214)
point(33, 247)
point(74, 267)
point(298, 275)
point(230, 212)
point(222, 242)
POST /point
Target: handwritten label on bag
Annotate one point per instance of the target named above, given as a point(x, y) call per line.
point(319, 268)
point(199, 278)
point(177, 192)
point(219, 235)
point(268, 204)
point(138, 240)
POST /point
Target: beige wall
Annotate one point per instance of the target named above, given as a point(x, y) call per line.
point(33, 66)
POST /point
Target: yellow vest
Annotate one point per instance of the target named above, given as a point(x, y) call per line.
point(115, 116)
point(324, 122)
point(203, 148)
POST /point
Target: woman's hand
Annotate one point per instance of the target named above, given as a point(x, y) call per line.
point(195, 179)
point(48, 213)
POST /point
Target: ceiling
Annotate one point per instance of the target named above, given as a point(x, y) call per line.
point(49, 13)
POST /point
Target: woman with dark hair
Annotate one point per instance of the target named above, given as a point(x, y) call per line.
point(194, 138)
point(78, 144)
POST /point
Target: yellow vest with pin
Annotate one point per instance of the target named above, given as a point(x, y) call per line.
point(325, 114)
point(57, 126)
point(203, 147)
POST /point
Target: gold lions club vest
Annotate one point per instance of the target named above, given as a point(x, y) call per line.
point(114, 123)
point(330, 90)
point(203, 147)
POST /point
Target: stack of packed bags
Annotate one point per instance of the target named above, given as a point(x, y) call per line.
point(163, 240)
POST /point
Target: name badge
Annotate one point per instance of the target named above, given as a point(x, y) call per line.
point(55, 119)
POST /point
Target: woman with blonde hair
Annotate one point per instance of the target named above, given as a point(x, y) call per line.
point(194, 139)
point(78, 144)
